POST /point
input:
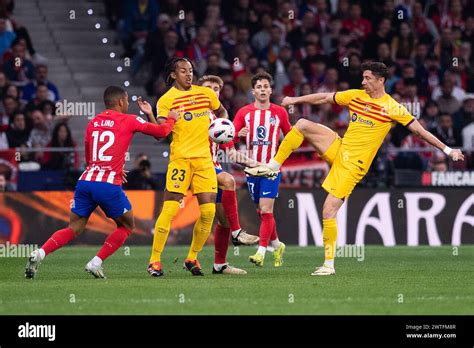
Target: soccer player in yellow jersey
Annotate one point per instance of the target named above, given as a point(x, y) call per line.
point(191, 166)
point(372, 113)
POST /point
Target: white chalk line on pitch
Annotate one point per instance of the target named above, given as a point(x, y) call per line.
point(161, 300)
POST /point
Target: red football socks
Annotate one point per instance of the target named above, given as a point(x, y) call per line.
point(229, 202)
point(221, 244)
point(267, 226)
point(59, 239)
point(113, 242)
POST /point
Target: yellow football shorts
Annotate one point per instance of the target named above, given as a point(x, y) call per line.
point(197, 174)
point(344, 174)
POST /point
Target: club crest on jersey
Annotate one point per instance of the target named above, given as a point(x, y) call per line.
point(367, 108)
point(261, 132)
point(192, 101)
point(272, 120)
point(188, 116)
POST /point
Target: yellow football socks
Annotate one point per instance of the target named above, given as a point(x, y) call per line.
point(202, 229)
point(162, 228)
point(329, 239)
point(290, 143)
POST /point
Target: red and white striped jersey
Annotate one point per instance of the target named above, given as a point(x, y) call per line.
point(216, 147)
point(108, 136)
point(264, 129)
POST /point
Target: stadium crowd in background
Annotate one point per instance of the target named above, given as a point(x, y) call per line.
point(27, 107)
point(318, 46)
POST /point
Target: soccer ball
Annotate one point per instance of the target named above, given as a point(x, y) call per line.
point(221, 131)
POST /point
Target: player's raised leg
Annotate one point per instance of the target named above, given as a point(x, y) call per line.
point(318, 135)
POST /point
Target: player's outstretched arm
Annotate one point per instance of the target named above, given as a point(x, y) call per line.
point(416, 128)
point(315, 99)
point(241, 158)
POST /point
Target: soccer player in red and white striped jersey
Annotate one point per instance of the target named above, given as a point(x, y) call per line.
point(261, 123)
point(108, 136)
point(226, 201)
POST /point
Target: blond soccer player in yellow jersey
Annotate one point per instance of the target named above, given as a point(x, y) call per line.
point(191, 166)
point(372, 113)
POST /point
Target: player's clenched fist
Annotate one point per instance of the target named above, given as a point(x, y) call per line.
point(287, 101)
point(243, 132)
point(173, 114)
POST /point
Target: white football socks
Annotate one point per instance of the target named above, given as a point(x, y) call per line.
point(329, 263)
point(273, 165)
point(96, 261)
point(261, 250)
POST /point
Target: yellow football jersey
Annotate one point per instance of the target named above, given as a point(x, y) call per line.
point(190, 133)
point(369, 122)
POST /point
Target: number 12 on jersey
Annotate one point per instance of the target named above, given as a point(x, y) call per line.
point(111, 139)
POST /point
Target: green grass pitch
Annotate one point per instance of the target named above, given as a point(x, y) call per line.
point(396, 280)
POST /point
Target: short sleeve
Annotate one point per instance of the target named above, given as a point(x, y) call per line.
point(215, 103)
point(400, 114)
point(163, 107)
point(345, 97)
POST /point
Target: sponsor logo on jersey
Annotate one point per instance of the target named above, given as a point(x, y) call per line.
point(176, 185)
point(356, 118)
point(261, 132)
point(188, 116)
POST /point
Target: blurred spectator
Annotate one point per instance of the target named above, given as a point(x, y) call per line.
point(297, 78)
point(447, 102)
point(446, 132)
point(261, 39)
point(141, 178)
point(21, 74)
point(41, 95)
point(6, 36)
point(448, 84)
point(214, 67)
point(465, 116)
point(61, 137)
point(359, 27)
point(430, 114)
point(17, 133)
point(159, 53)
point(297, 36)
point(197, 49)
point(140, 19)
point(9, 107)
point(403, 43)
point(382, 35)
point(423, 26)
point(438, 163)
point(272, 50)
point(40, 135)
point(41, 77)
